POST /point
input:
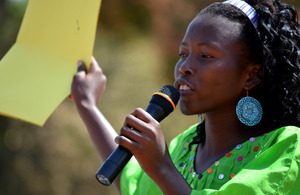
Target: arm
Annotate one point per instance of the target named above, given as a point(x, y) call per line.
point(86, 91)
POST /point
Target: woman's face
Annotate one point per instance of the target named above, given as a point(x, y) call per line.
point(209, 74)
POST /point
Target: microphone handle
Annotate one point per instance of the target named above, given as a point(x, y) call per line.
point(114, 164)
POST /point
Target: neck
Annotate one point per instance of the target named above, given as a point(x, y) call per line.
point(223, 133)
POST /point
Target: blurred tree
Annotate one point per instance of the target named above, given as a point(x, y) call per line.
point(165, 20)
point(11, 14)
point(2, 10)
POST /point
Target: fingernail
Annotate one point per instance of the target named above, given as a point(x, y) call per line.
point(117, 140)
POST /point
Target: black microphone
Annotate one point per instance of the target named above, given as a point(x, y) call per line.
point(162, 103)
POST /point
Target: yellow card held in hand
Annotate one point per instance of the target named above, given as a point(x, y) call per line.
point(36, 73)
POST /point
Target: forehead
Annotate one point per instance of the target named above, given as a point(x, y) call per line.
point(214, 28)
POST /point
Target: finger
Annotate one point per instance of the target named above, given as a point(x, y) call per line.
point(81, 71)
point(139, 119)
point(94, 66)
point(131, 134)
point(132, 146)
point(147, 129)
point(142, 115)
point(81, 66)
point(133, 122)
point(125, 142)
point(79, 76)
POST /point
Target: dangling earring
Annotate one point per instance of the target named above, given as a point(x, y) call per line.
point(249, 111)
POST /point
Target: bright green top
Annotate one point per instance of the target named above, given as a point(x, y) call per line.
point(267, 164)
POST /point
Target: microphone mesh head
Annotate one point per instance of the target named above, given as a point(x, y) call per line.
point(166, 98)
point(171, 92)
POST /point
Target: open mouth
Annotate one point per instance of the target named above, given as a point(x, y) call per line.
point(184, 88)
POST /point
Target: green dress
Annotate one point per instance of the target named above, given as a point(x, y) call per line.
point(267, 164)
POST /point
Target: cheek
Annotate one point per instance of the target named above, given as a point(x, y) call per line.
point(176, 71)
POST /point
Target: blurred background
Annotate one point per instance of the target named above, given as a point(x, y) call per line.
point(137, 47)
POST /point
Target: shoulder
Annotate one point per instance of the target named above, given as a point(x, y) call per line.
point(288, 139)
point(283, 138)
point(288, 131)
point(275, 168)
point(290, 134)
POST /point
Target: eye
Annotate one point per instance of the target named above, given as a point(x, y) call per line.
point(182, 55)
point(206, 56)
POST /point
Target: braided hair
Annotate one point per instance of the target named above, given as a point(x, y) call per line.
point(280, 37)
point(276, 48)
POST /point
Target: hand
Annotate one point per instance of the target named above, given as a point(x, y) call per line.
point(87, 88)
point(142, 136)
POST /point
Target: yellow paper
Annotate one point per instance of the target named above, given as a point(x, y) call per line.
point(36, 73)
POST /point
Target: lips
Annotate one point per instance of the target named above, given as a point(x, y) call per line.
point(183, 87)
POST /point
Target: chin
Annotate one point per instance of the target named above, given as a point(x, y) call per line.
point(186, 111)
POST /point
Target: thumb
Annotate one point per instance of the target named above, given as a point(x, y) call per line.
point(81, 70)
point(81, 66)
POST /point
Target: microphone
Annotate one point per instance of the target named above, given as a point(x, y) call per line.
point(162, 103)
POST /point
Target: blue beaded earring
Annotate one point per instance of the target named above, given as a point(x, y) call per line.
point(249, 111)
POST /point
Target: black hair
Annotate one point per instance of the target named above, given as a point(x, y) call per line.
point(276, 47)
point(280, 38)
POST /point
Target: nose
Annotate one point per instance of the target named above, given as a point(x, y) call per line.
point(185, 69)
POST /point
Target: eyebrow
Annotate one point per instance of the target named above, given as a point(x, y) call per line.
point(213, 45)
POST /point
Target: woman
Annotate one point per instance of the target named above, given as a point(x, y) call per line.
point(239, 65)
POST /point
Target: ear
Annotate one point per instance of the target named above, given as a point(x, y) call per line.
point(252, 78)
